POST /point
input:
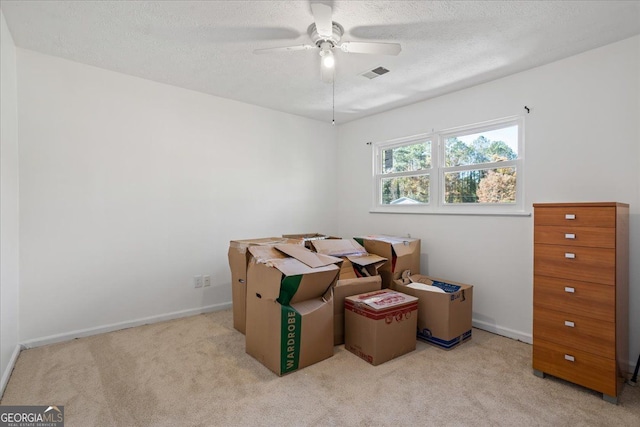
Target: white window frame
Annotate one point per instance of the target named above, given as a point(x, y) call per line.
point(436, 173)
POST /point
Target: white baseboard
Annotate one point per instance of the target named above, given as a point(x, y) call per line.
point(7, 372)
point(505, 332)
point(528, 338)
point(37, 342)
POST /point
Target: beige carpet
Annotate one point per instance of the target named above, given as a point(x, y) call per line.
point(195, 372)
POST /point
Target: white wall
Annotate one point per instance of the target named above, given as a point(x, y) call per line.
point(582, 144)
point(129, 188)
point(8, 205)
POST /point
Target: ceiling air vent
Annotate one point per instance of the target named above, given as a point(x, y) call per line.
point(376, 72)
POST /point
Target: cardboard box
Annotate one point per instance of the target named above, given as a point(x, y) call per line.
point(238, 261)
point(289, 308)
point(346, 288)
point(308, 238)
point(380, 325)
point(356, 261)
point(309, 258)
point(403, 254)
point(339, 247)
point(358, 274)
point(444, 318)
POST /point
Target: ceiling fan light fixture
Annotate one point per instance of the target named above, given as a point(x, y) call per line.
point(328, 60)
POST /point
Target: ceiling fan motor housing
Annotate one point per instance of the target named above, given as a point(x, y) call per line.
point(334, 39)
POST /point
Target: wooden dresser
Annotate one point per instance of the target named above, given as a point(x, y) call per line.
point(580, 294)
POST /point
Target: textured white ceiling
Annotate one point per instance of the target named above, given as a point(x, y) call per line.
point(208, 46)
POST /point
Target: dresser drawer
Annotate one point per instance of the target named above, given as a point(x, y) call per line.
point(587, 334)
point(595, 265)
point(595, 372)
point(572, 297)
point(575, 216)
point(596, 237)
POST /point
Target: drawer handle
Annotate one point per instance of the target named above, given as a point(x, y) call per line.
point(569, 357)
point(569, 324)
point(569, 290)
point(569, 216)
point(569, 236)
point(569, 255)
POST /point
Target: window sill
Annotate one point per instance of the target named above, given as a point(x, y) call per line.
point(474, 212)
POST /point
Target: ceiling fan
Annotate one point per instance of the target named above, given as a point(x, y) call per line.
point(325, 35)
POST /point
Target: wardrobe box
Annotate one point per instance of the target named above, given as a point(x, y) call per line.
point(290, 307)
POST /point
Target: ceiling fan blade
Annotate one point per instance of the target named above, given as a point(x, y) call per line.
point(326, 73)
point(285, 48)
point(322, 17)
point(370, 47)
point(194, 34)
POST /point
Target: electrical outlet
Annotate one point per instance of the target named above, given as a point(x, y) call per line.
point(197, 281)
point(207, 280)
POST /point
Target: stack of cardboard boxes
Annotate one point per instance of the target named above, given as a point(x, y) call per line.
point(295, 297)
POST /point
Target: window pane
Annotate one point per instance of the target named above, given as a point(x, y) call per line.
point(405, 190)
point(407, 158)
point(481, 186)
point(490, 146)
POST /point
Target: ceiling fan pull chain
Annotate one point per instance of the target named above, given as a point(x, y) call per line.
point(333, 107)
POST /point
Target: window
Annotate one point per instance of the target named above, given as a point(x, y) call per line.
point(405, 171)
point(472, 169)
